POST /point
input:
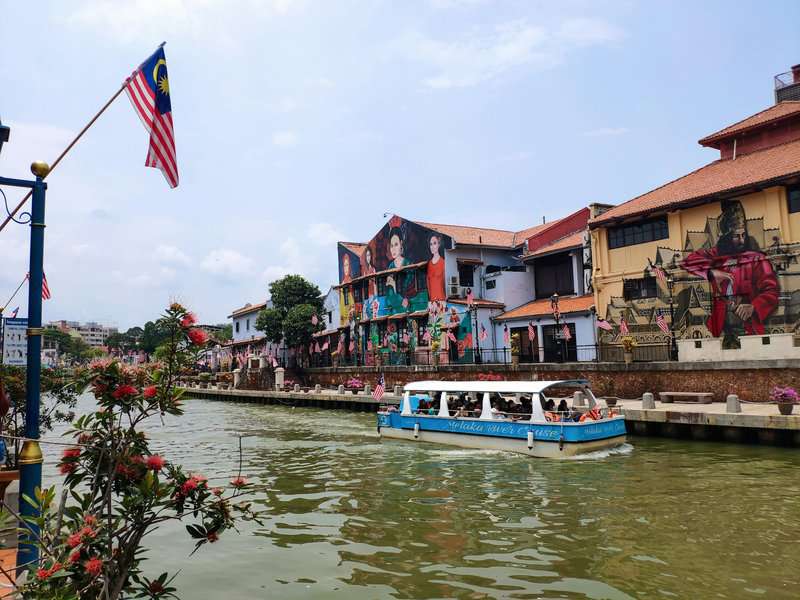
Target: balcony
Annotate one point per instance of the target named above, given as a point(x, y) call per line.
point(787, 85)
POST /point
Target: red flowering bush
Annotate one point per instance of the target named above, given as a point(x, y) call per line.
point(198, 336)
point(120, 490)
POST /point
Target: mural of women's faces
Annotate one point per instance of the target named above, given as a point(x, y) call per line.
point(435, 269)
point(349, 265)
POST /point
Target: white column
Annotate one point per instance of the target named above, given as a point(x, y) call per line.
point(486, 408)
point(406, 409)
point(443, 411)
point(540, 341)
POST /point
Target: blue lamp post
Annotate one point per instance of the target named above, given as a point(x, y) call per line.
point(30, 456)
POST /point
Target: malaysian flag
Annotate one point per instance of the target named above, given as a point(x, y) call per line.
point(603, 324)
point(662, 322)
point(149, 93)
point(567, 333)
point(45, 288)
point(451, 336)
point(483, 334)
point(531, 332)
point(314, 319)
point(506, 335)
point(340, 345)
point(325, 346)
point(377, 393)
point(470, 297)
point(623, 326)
point(14, 313)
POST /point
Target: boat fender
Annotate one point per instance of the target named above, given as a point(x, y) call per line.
point(416, 430)
point(561, 442)
point(530, 440)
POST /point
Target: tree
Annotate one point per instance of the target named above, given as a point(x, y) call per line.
point(295, 301)
point(92, 545)
point(225, 334)
point(73, 347)
point(152, 337)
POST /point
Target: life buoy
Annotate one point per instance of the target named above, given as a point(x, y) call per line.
point(552, 417)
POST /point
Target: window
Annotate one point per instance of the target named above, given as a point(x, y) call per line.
point(465, 273)
point(237, 326)
point(346, 295)
point(793, 196)
point(491, 284)
point(330, 317)
point(356, 293)
point(638, 233)
point(381, 286)
point(247, 326)
point(553, 274)
point(646, 287)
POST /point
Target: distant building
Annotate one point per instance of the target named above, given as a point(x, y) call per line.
point(94, 334)
point(248, 340)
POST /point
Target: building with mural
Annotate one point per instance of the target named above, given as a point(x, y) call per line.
point(421, 292)
point(712, 256)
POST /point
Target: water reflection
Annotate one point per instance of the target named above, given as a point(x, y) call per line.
point(348, 515)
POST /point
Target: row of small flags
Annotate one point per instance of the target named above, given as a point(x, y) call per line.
point(661, 321)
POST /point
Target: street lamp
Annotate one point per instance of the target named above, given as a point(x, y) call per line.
point(557, 316)
point(673, 348)
point(30, 456)
point(473, 311)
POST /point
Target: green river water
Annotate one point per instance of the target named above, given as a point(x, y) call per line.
point(350, 516)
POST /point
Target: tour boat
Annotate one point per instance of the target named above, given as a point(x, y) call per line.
point(583, 427)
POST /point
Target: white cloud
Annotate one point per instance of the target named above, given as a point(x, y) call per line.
point(171, 255)
point(284, 138)
point(484, 55)
point(226, 263)
point(324, 234)
point(29, 142)
point(606, 131)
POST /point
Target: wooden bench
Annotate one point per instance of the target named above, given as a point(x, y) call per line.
point(699, 397)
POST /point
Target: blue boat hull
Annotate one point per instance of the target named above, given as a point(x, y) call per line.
point(546, 439)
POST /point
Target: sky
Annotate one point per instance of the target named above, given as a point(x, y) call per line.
point(300, 123)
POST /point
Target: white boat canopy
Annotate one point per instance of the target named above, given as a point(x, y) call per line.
point(534, 388)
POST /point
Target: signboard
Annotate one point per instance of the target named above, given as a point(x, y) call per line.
point(15, 342)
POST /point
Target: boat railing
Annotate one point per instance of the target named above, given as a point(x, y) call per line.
point(571, 416)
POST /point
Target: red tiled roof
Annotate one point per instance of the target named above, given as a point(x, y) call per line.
point(573, 240)
point(246, 309)
point(479, 302)
point(780, 111)
point(481, 236)
point(767, 166)
point(540, 308)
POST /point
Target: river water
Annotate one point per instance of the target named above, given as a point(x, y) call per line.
point(350, 516)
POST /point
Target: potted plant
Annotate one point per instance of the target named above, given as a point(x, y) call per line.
point(204, 379)
point(628, 344)
point(515, 349)
point(435, 346)
point(785, 398)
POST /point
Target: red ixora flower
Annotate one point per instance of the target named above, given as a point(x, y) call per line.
point(90, 520)
point(189, 320)
point(67, 468)
point(155, 587)
point(124, 390)
point(74, 557)
point(45, 573)
point(189, 486)
point(93, 566)
point(212, 537)
point(150, 391)
point(155, 462)
point(74, 540)
point(71, 453)
point(239, 482)
point(198, 336)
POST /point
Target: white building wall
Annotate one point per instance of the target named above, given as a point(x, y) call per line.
point(246, 325)
point(331, 308)
point(584, 332)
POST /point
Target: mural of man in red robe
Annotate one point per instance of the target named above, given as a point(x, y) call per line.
point(744, 288)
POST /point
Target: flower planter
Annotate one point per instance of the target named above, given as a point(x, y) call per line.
point(611, 401)
point(628, 356)
point(785, 408)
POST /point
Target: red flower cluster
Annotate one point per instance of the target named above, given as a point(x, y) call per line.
point(189, 320)
point(74, 557)
point(212, 537)
point(124, 391)
point(197, 336)
point(67, 467)
point(43, 574)
point(192, 484)
point(239, 482)
point(93, 566)
point(71, 453)
point(154, 462)
point(150, 391)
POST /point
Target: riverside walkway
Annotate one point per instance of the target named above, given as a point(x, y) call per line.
point(757, 423)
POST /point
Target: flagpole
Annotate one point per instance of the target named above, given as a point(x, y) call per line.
point(5, 306)
point(69, 147)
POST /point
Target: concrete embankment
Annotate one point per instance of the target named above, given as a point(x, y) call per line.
point(755, 424)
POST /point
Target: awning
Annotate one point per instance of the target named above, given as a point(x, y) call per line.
point(398, 317)
point(469, 261)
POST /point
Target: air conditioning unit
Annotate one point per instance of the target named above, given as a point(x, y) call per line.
point(455, 290)
point(453, 280)
point(462, 291)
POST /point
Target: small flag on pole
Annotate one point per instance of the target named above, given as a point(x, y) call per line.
point(14, 313)
point(567, 333)
point(531, 332)
point(149, 93)
point(483, 334)
point(314, 319)
point(662, 322)
point(377, 393)
point(451, 337)
point(506, 335)
point(325, 346)
point(603, 324)
point(45, 288)
point(623, 326)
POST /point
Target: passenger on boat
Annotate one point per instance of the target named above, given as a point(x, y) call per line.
point(562, 406)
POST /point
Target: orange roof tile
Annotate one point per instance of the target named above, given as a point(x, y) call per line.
point(482, 236)
point(573, 240)
point(541, 308)
point(479, 302)
point(246, 309)
point(767, 166)
point(780, 111)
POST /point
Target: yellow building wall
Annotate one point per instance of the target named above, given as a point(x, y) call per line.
point(610, 267)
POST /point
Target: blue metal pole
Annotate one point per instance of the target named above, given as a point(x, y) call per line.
point(30, 456)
